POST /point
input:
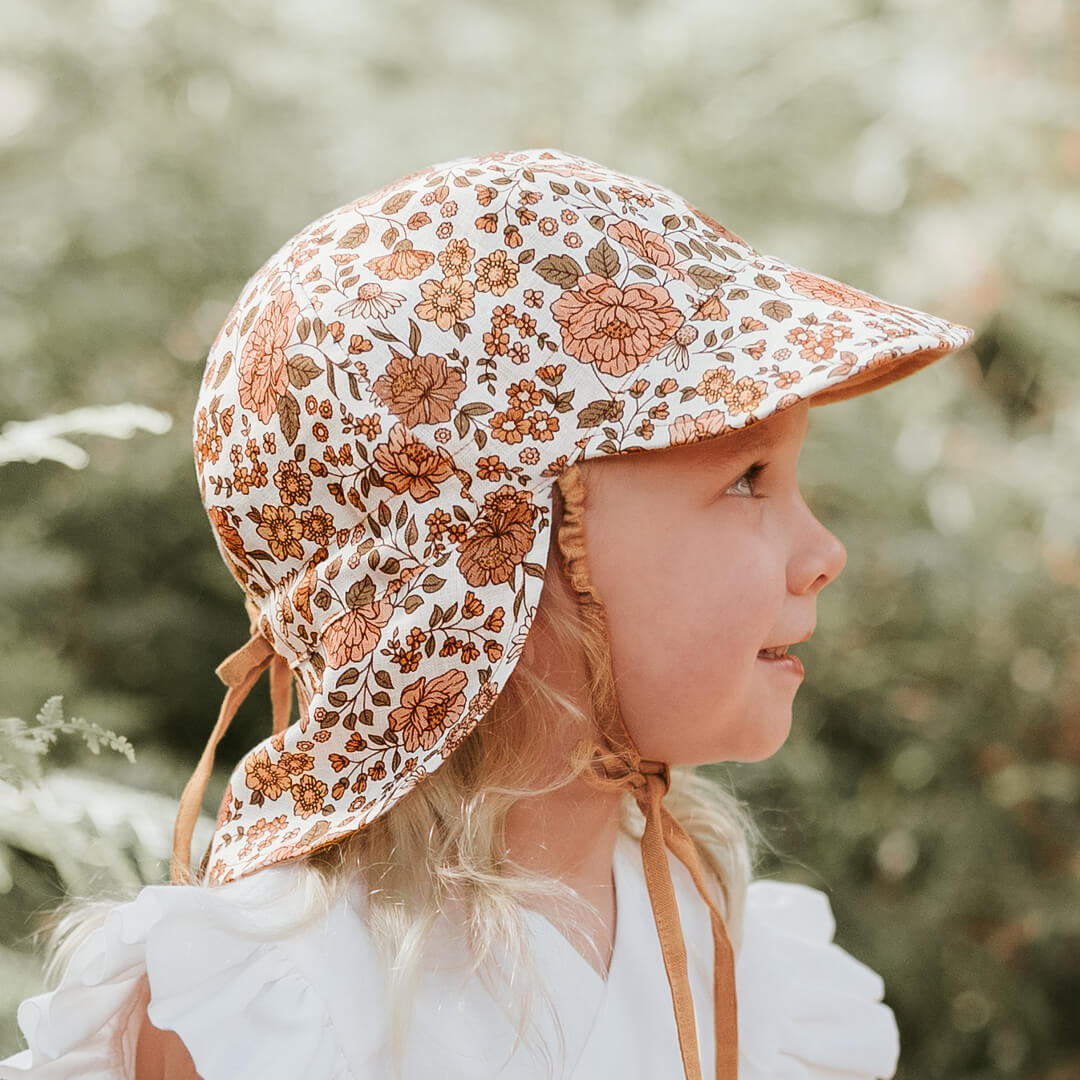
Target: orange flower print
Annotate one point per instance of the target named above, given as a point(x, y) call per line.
point(496, 273)
point(485, 696)
point(682, 430)
point(456, 736)
point(350, 637)
point(715, 383)
point(813, 346)
point(509, 426)
point(500, 538)
point(318, 525)
point(282, 530)
point(420, 389)
point(456, 257)
point(404, 261)
point(266, 779)
point(308, 794)
point(293, 485)
point(263, 376)
point(446, 302)
point(687, 429)
point(262, 833)
point(428, 708)
point(651, 246)
point(230, 538)
point(615, 329)
point(294, 764)
point(409, 465)
point(207, 441)
point(746, 395)
point(369, 426)
point(491, 468)
point(712, 422)
point(833, 292)
point(524, 395)
point(543, 426)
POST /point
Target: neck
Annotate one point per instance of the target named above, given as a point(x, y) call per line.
point(570, 834)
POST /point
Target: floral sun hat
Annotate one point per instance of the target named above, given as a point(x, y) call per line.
point(384, 414)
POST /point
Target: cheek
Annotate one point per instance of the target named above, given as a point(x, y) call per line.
point(684, 621)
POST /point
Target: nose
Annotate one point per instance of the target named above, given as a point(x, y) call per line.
point(818, 559)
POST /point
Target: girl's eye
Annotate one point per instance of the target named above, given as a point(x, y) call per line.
point(748, 479)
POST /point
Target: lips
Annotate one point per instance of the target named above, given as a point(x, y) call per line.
point(778, 659)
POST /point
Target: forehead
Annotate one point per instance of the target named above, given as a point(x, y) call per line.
point(784, 429)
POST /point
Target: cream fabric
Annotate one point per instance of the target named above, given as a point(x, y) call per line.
point(312, 1004)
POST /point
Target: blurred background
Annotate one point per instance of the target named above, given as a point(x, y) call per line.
point(154, 153)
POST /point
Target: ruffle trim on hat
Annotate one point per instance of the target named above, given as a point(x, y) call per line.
point(808, 1010)
point(572, 532)
point(219, 990)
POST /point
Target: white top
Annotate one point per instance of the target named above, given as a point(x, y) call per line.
point(311, 1005)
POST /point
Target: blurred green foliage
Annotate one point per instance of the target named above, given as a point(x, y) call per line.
point(154, 153)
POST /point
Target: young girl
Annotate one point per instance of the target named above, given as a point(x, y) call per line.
point(483, 850)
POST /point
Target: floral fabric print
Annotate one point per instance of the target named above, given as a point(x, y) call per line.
point(387, 406)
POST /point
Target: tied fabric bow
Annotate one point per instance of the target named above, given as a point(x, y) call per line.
point(239, 672)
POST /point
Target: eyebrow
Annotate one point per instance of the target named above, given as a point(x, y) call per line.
point(745, 442)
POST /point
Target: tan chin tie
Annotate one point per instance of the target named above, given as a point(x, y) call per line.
point(618, 765)
point(239, 672)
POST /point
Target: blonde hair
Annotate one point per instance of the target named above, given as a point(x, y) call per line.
point(444, 843)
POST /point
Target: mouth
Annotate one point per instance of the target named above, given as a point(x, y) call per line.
point(774, 652)
point(777, 656)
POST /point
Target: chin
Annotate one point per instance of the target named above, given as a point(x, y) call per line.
point(760, 741)
point(760, 746)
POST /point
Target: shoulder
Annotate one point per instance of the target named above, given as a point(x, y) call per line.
point(225, 970)
point(806, 1006)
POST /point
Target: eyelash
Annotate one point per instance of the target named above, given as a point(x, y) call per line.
point(751, 474)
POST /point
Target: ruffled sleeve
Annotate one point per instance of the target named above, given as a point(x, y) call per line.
point(808, 1010)
point(237, 1001)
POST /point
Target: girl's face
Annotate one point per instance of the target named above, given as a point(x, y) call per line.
point(704, 555)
